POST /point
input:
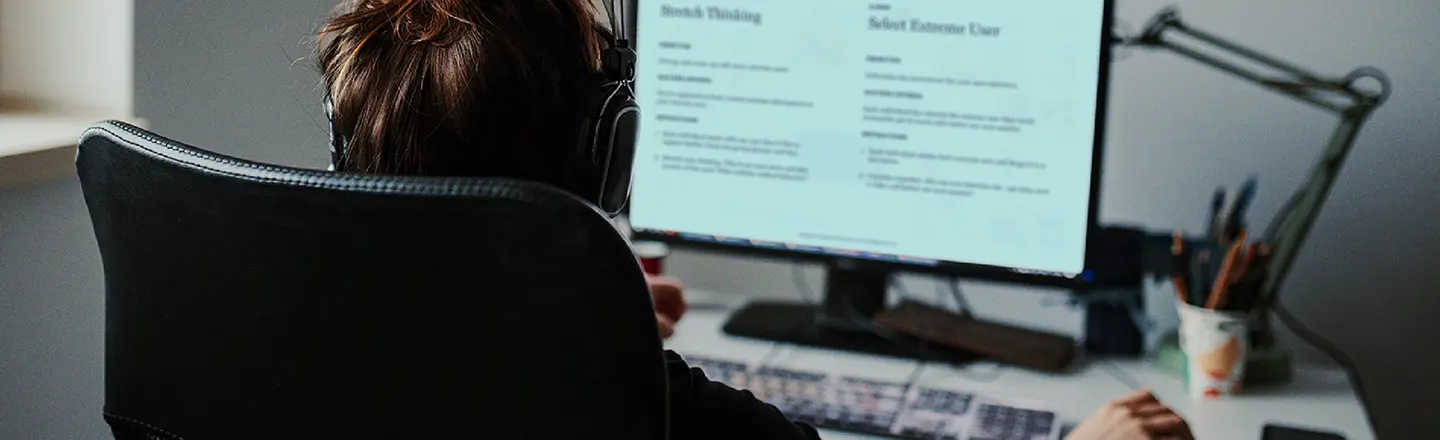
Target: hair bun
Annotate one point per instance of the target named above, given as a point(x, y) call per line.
point(437, 22)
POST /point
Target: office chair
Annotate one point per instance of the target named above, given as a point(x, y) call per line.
point(249, 301)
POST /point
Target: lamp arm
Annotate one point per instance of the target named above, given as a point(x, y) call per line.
point(1341, 96)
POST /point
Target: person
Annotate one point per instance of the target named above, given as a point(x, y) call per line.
point(669, 297)
point(498, 88)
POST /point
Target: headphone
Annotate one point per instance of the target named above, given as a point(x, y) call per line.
point(601, 164)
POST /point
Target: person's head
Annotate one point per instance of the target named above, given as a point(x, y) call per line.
point(461, 87)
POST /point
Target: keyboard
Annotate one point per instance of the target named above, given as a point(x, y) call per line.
point(883, 408)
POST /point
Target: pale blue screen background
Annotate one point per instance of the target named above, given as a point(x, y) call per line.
point(981, 123)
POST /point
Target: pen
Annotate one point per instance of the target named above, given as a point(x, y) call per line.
point(1236, 214)
point(1222, 278)
point(1247, 258)
point(1202, 276)
point(1216, 204)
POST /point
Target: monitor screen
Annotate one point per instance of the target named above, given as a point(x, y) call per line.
point(924, 132)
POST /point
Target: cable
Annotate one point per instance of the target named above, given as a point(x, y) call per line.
point(801, 285)
point(770, 355)
point(961, 303)
point(806, 296)
point(853, 316)
point(850, 313)
point(1138, 315)
point(610, 11)
point(1329, 349)
point(963, 307)
point(914, 379)
point(1120, 375)
point(624, 32)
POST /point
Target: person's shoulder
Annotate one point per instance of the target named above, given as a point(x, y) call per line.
point(677, 367)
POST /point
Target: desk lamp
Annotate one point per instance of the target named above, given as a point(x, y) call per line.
point(1291, 226)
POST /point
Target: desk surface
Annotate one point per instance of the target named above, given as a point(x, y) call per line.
point(1320, 396)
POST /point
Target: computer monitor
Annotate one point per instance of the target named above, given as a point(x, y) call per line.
point(957, 138)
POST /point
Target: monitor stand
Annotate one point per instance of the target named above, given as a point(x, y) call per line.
point(852, 295)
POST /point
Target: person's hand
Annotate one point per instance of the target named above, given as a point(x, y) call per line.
point(669, 298)
point(1138, 416)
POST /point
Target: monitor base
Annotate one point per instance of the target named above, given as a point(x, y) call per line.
point(805, 325)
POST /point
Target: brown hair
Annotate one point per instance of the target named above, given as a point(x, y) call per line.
point(460, 87)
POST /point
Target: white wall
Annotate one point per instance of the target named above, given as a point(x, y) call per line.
point(72, 55)
point(1177, 130)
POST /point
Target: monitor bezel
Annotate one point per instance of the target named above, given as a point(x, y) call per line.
point(948, 268)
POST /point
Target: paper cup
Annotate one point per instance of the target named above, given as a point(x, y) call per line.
point(652, 256)
point(1215, 345)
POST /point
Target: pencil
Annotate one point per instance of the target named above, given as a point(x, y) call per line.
point(1182, 267)
point(1180, 289)
point(1216, 204)
point(1221, 290)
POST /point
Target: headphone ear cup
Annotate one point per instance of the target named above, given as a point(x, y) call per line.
point(624, 126)
point(607, 147)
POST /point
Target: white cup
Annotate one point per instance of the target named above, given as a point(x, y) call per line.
point(652, 256)
point(1215, 344)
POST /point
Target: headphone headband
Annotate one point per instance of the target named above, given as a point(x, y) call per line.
point(617, 24)
point(617, 62)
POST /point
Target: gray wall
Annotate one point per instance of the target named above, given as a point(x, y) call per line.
point(234, 77)
point(51, 315)
point(238, 77)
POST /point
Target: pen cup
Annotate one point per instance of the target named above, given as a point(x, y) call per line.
point(652, 256)
point(1215, 344)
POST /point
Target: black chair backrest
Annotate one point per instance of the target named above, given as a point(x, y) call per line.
point(249, 301)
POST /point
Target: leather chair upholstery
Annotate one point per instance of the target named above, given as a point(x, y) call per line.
point(250, 301)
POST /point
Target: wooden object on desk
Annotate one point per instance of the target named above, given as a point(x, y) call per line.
point(37, 146)
point(1004, 343)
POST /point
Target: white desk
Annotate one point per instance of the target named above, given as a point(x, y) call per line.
point(1320, 396)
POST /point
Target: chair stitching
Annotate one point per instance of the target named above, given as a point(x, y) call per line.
point(137, 422)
